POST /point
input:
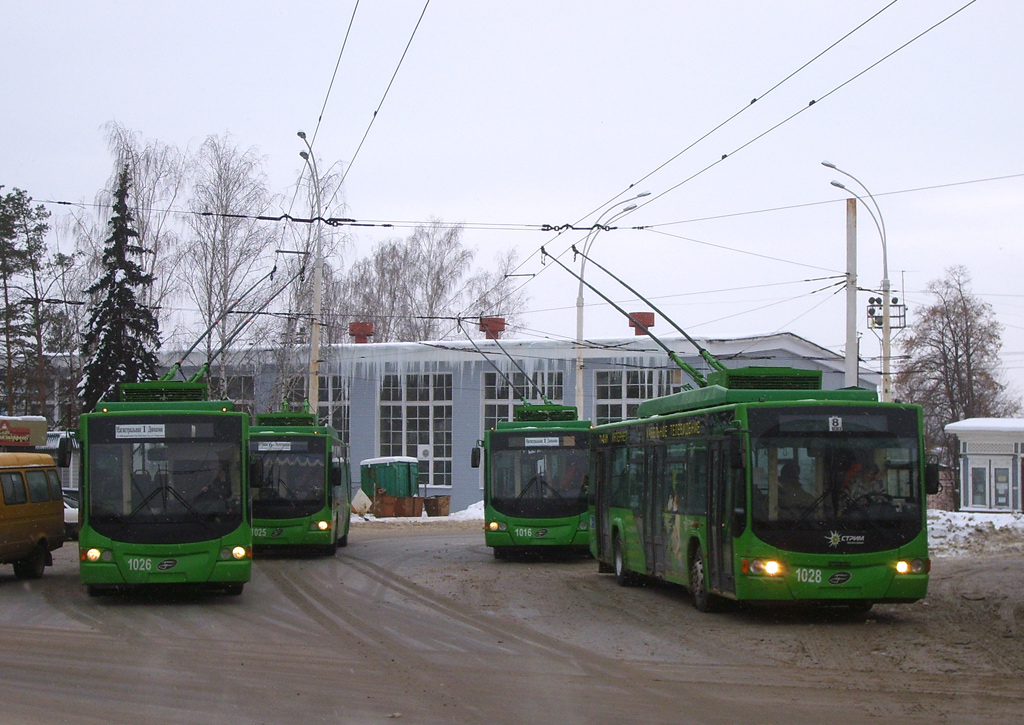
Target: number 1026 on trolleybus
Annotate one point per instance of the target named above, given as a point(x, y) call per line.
point(164, 498)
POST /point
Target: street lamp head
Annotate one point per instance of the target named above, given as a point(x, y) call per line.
point(304, 155)
point(829, 164)
point(301, 134)
point(631, 207)
point(643, 194)
point(839, 185)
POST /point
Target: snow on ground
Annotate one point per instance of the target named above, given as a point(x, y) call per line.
point(950, 533)
point(962, 533)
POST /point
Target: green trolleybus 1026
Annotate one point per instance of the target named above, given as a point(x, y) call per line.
point(300, 483)
point(759, 486)
point(164, 497)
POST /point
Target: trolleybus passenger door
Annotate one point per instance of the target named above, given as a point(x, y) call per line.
point(656, 492)
point(600, 488)
point(720, 516)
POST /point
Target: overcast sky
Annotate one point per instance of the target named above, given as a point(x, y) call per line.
point(510, 115)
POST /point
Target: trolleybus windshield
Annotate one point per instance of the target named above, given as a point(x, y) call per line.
point(165, 479)
point(539, 474)
point(287, 477)
point(835, 479)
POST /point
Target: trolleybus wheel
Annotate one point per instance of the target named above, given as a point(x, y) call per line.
point(703, 600)
point(343, 541)
point(623, 577)
point(32, 566)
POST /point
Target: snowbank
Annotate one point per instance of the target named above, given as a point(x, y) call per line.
point(960, 533)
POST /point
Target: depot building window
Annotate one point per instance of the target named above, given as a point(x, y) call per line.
point(618, 393)
point(501, 399)
point(416, 421)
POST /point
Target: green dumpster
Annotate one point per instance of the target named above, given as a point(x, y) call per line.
point(397, 475)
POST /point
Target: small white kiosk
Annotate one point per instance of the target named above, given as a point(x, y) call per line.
point(990, 463)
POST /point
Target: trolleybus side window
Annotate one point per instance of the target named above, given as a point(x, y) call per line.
point(619, 479)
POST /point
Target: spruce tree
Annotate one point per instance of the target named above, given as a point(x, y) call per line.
point(122, 335)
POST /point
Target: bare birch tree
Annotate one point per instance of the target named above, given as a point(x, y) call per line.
point(952, 364)
point(415, 288)
point(228, 249)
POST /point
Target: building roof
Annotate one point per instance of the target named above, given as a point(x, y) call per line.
point(987, 425)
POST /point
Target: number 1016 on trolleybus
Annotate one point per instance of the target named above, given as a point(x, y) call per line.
point(535, 472)
point(765, 488)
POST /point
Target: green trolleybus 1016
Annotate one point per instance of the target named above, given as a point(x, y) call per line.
point(535, 471)
point(164, 497)
point(300, 484)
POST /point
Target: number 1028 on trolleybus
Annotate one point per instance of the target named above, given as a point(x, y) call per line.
point(767, 495)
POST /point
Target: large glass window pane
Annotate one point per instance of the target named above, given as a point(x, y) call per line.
point(979, 486)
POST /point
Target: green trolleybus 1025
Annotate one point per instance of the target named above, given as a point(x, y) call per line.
point(300, 483)
point(164, 497)
point(759, 486)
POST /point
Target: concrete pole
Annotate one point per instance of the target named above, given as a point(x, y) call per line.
point(852, 376)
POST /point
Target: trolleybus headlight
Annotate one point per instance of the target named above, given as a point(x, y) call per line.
point(767, 567)
point(319, 525)
point(496, 526)
point(92, 554)
point(239, 552)
point(917, 566)
point(583, 525)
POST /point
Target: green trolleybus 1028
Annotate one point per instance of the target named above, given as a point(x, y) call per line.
point(300, 484)
point(164, 497)
point(759, 486)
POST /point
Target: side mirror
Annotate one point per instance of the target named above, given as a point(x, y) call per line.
point(932, 485)
point(64, 452)
point(474, 457)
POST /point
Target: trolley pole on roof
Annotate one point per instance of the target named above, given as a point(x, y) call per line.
point(313, 387)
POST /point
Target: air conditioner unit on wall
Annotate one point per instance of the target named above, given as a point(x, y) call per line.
point(423, 453)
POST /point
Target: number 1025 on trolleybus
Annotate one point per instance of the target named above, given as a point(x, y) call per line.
point(299, 480)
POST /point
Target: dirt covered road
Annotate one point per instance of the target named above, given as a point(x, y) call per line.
point(416, 622)
point(957, 655)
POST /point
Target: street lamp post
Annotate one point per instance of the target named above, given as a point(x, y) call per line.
point(591, 236)
point(313, 386)
point(876, 216)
